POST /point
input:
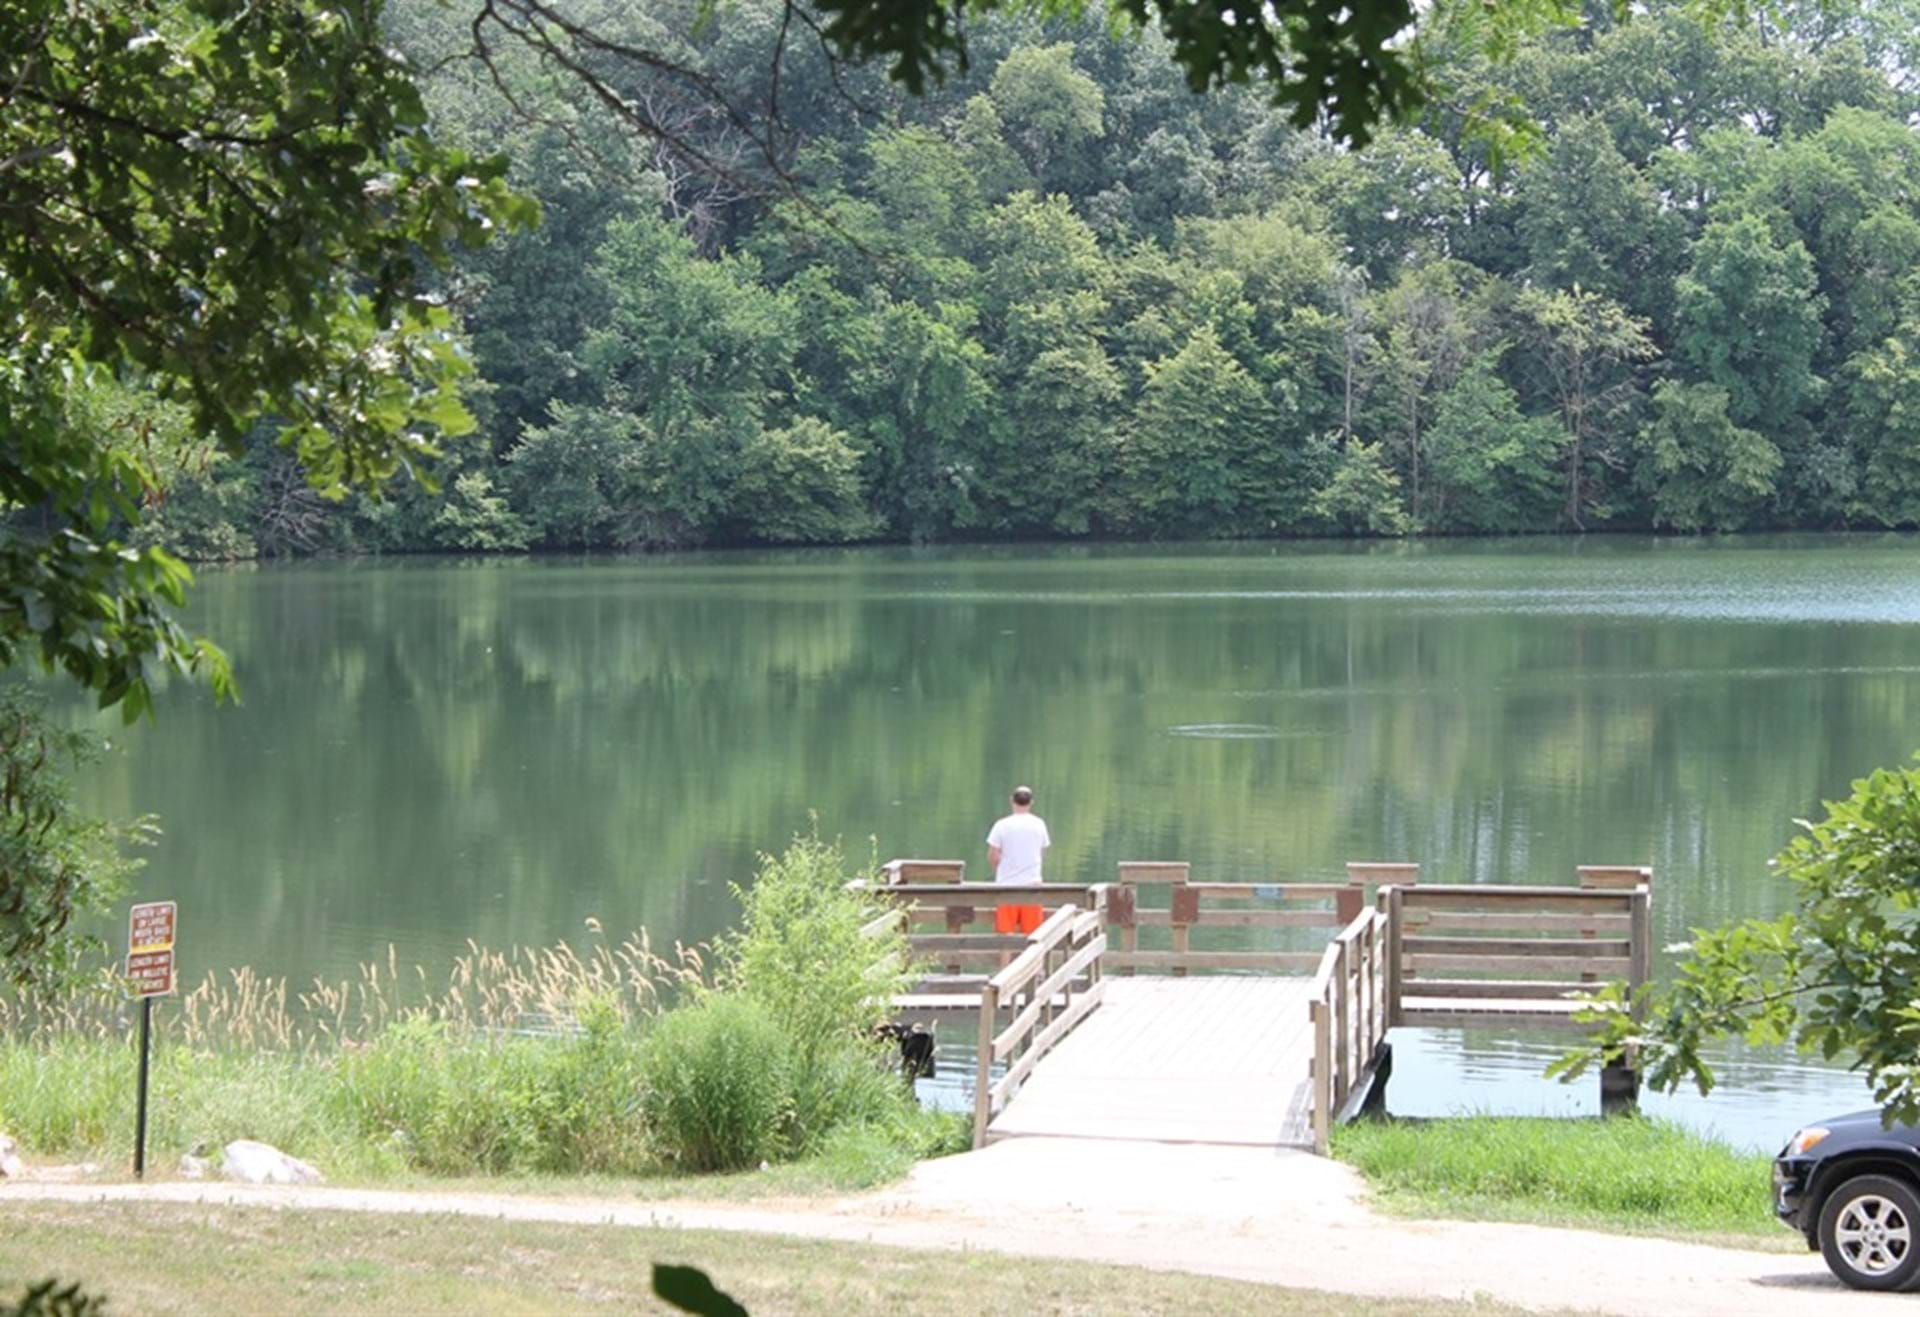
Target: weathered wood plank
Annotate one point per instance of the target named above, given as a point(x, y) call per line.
point(1615, 877)
point(1291, 961)
point(1566, 900)
point(1476, 921)
point(1458, 1013)
point(1154, 871)
point(1551, 989)
point(1044, 993)
point(1218, 1060)
point(1268, 891)
point(1579, 948)
point(935, 945)
point(1382, 871)
point(1327, 918)
point(898, 872)
point(1430, 964)
point(983, 1066)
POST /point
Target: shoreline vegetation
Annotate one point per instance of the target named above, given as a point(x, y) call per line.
point(1063, 298)
point(620, 1064)
point(1628, 1174)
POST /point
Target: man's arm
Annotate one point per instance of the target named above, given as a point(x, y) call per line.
point(993, 857)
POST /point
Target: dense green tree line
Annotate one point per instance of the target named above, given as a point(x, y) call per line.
point(1065, 296)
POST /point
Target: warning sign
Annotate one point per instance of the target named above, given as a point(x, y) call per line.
point(150, 948)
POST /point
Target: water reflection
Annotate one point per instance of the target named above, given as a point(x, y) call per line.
point(1758, 1102)
point(431, 751)
point(1439, 1073)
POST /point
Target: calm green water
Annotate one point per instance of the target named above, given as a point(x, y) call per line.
point(430, 751)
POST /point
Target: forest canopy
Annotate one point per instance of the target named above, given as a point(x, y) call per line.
point(1060, 294)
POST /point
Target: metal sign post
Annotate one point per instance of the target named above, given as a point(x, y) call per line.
point(150, 974)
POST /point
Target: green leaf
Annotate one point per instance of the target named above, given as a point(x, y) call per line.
point(689, 1289)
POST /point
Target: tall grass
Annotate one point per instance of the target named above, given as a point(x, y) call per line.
point(719, 1090)
point(547, 1060)
point(527, 989)
point(1623, 1171)
point(523, 1060)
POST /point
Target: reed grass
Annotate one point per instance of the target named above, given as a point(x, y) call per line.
point(520, 989)
point(521, 1062)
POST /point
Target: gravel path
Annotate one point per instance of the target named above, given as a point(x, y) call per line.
point(1284, 1218)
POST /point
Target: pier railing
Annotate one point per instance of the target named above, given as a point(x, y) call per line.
point(1042, 994)
point(1201, 906)
point(950, 925)
point(1457, 956)
point(1349, 1012)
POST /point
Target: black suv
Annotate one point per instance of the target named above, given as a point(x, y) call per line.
point(1852, 1187)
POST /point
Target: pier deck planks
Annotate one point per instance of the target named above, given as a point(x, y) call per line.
point(1216, 1059)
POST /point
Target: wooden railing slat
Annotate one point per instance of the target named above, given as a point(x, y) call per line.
point(1419, 963)
point(1251, 960)
point(1326, 918)
point(1043, 995)
point(1577, 948)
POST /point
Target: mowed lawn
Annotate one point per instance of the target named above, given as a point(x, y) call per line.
point(156, 1259)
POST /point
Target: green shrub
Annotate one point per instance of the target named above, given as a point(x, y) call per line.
point(855, 1083)
point(717, 1084)
point(806, 952)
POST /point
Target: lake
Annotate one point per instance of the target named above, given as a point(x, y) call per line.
point(430, 750)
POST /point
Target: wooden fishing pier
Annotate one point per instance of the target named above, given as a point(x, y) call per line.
point(1082, 1031)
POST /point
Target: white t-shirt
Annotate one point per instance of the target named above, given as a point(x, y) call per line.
point(1021, 839)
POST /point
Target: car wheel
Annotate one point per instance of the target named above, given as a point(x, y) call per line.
point(1870, 1233)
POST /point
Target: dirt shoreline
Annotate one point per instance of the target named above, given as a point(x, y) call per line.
point(1283, 1218)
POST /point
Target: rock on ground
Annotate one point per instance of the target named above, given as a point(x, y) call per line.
point(262, 1163)
point(10, 1165)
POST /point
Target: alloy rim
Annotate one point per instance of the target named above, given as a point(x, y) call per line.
point(1873, 1234)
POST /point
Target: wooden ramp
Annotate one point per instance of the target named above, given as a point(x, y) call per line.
point(1178, 1060)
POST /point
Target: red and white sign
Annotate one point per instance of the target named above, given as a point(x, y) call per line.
point(150, 948)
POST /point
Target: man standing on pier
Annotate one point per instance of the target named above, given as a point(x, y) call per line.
point(1014, 849)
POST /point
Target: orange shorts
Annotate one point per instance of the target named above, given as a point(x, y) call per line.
point(1018, 918)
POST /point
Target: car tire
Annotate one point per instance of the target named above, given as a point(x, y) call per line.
point(1870, 1233)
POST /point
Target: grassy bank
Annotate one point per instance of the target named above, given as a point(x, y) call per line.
point(1630, 1174)
point(476, 1111)
point(162, 1259)
point(614, 1062)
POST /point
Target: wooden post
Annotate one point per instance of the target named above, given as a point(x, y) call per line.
point(1051, 960)
point(1614, 877)
point(1619, 1090)
point(1641, 949)
point(983, 1069)
point(1322, 1078)
point(1347, 902)
point(1394, 897)
point(1181, 917)
point(1342, 1033)
point(1120, 915)
point(1173, 872)
point(1369, 950)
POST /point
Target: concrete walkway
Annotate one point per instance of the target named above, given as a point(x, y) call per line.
point(1279, 1217)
